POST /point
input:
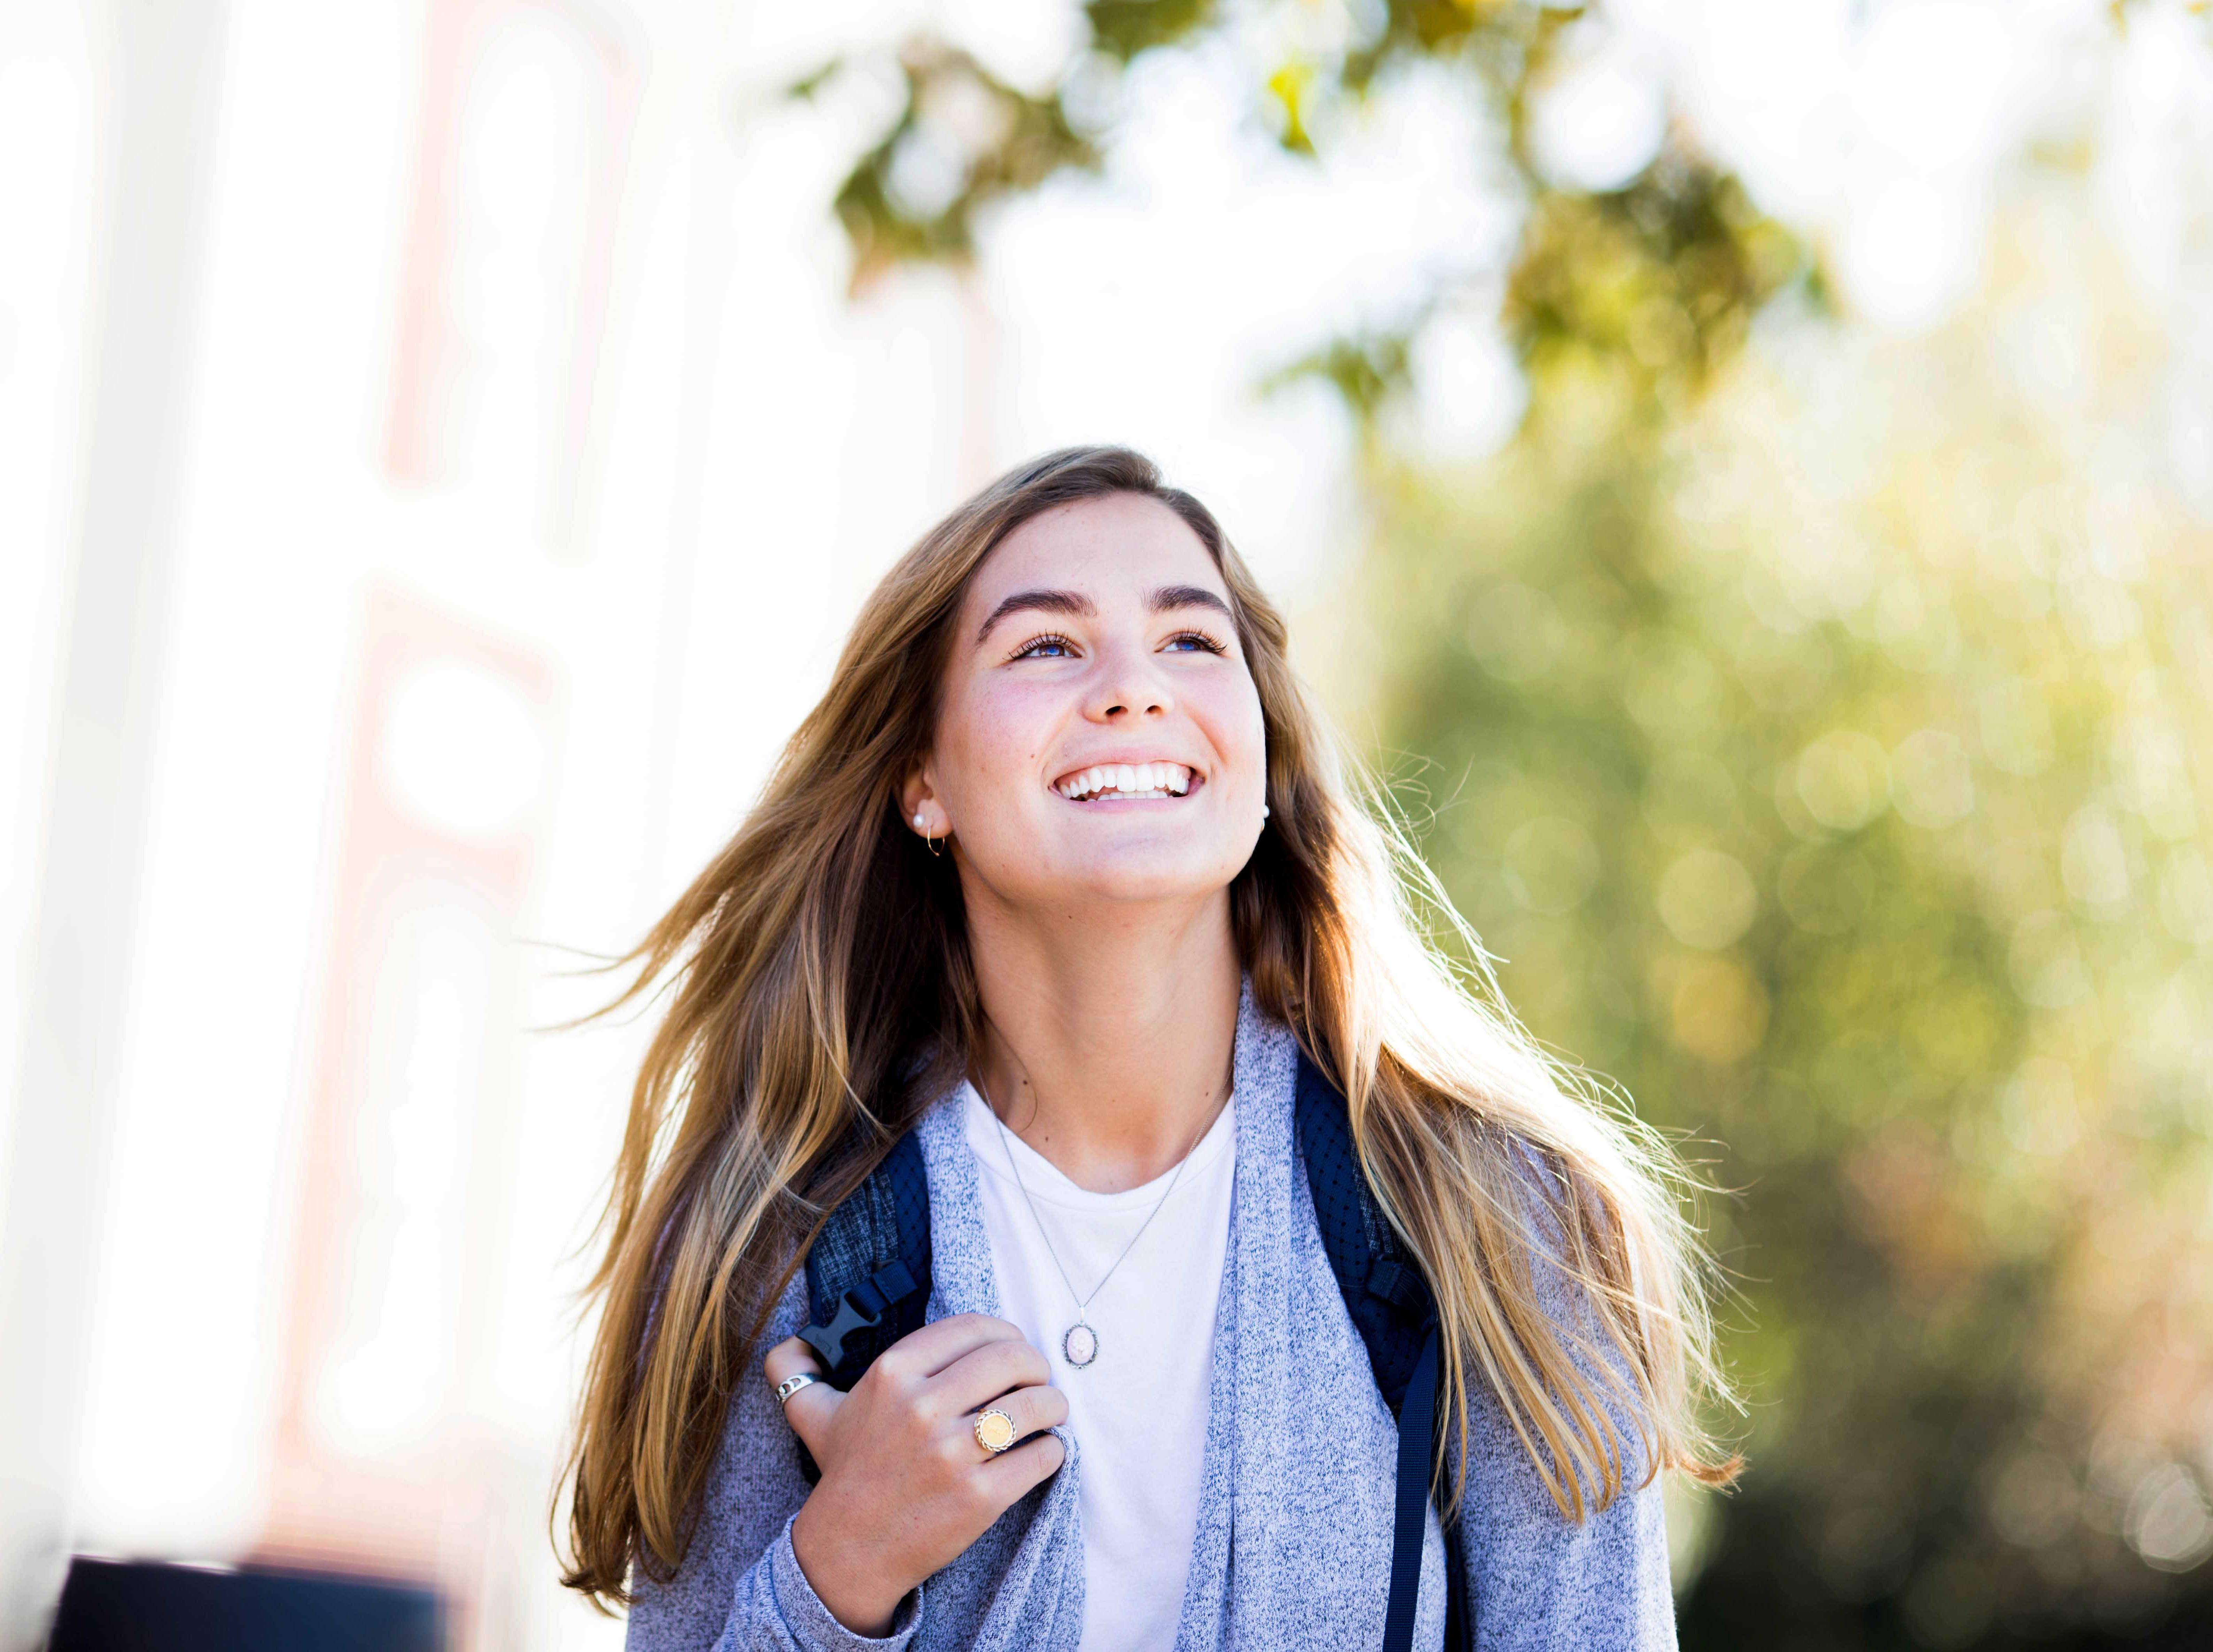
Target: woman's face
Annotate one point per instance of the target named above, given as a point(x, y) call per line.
point(1100, 736)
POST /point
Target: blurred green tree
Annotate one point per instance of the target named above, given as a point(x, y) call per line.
point(1818, 733)
point(1658, 277)
point(1828, 769)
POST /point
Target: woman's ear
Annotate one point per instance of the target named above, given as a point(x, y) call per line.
point(918, 804)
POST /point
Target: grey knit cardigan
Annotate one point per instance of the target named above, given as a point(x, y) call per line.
point(1294, 1541)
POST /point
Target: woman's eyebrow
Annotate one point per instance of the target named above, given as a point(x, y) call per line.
point(1063, 603)
point(1188, 596)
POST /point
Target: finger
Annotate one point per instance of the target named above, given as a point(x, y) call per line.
point(1014, 1471)
point(810, 1407)
point(788, 1359)
point(984, 1374)
point(809, 1410)
point(1033, 1408)
point(1029, 1410)
point(924, 1353)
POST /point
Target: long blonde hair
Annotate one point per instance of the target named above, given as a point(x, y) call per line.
point(820, 991)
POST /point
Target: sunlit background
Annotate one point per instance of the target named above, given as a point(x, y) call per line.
point(1741, 471)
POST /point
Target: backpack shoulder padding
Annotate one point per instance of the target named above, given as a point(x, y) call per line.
point(1383, 1288)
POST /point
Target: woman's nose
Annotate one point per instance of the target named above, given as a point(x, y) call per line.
point(1129, 685)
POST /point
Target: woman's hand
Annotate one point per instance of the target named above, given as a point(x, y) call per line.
point(905, 1486)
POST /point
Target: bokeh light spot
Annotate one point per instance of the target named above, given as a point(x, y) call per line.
point(1707, 899)
point(1843, 780)
point(1930, 785)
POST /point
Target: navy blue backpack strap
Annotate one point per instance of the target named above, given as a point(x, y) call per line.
point(868, 1272)
point(1392, 1308)
point(1383, 1288)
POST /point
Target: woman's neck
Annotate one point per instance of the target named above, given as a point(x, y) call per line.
point(1109, 1034)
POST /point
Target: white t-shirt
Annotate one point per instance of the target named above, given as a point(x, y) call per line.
point(1138, 1410)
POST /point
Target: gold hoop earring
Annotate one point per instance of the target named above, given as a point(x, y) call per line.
point(935, 852)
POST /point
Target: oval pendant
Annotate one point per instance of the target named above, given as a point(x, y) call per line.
point(1080, 1346)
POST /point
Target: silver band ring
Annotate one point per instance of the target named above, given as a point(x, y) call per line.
point(792, 1385)
point(994, 1430)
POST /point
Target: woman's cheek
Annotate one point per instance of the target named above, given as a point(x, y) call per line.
point(993, 746)
point(1243, 737)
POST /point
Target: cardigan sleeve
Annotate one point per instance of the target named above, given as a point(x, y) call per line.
point(1535, 1579)
point(739, 1587)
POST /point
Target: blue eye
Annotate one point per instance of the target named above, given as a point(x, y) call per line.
point(1205, 643)
point(1028, 650)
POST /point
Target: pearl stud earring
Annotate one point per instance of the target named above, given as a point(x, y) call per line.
point(920, 825)
point(1264, 811)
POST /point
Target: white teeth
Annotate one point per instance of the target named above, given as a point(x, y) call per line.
point(1128, 780)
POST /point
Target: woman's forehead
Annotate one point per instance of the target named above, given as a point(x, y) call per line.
point(1116, 546)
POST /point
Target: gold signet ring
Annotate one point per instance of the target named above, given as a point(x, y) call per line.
point(994, 1430)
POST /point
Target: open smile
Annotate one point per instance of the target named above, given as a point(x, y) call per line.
point(1129, 781)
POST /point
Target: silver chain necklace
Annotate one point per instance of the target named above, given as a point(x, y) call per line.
point(1079, 1344)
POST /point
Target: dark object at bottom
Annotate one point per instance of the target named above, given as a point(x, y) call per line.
point(132, 1606)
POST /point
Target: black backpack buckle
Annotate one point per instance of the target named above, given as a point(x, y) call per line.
point(860, 1308)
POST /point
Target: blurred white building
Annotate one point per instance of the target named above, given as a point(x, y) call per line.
point(407, 545)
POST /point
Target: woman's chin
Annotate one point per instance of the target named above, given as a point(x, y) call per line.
point(1131, 873)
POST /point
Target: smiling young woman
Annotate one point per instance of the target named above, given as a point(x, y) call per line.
point(1062, 882)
